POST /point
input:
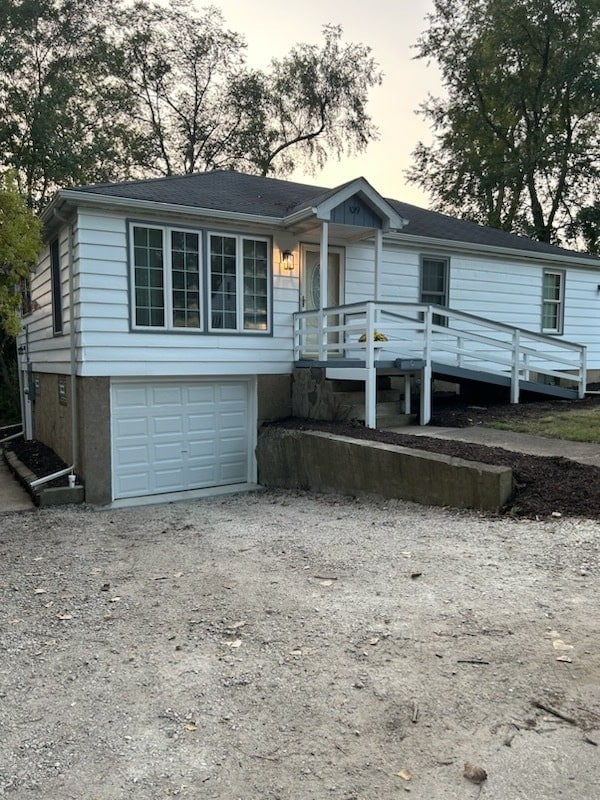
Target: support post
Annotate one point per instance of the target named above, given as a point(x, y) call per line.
point(407, 387)
point(324, 262)
point(583, 373)
point(426, 372)
point(378, 264)
point(514, 381)
point(371, 379)
point(426, 393)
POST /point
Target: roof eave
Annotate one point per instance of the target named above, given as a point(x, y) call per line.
point(512, 252)
point(125, 203)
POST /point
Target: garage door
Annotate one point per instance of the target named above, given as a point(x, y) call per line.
point(174, 436)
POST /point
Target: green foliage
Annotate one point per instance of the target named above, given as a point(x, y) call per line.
point(200, 107)
point(309, 104)
point(64, 118)
point(20, 243)
point(516, 139)
point(105, 90)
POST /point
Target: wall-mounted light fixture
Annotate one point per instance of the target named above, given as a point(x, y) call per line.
point(287, 260)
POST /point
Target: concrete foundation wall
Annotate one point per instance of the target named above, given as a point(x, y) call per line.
point(52, 418)
point(324, 462)
point(94, 438)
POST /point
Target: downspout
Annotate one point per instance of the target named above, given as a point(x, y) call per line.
point(72, 349)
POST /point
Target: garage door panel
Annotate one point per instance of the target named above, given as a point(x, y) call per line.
point(130, 428)
point(134, 455)
point(202, 423)
point(172, 436)
point(168, 424)
point(134, 485)
point(166, 395)
point(131, 397)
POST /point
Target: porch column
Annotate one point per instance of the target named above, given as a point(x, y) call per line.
point(324, 251)
point(378, 264)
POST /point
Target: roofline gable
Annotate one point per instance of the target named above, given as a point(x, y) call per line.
point(322, 208)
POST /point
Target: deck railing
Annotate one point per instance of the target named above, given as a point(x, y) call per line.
point(437, 336)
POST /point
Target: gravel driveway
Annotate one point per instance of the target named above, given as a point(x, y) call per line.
point(284, 645)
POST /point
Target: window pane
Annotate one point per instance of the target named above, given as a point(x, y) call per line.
point(148, 272)
point(223, 297)
point(255, 285)
point(185, 265)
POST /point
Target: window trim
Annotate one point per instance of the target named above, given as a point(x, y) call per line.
point(560, 303)
point(239, 330)
point(167, 230)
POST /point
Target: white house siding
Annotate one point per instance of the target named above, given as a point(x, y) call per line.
point(109, 347)
point(46, 351)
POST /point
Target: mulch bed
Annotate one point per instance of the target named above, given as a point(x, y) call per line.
point(543, 485)
point(39, 459)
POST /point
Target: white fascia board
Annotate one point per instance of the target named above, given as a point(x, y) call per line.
point(486, 249)
point(89, 199)
point(299, 216)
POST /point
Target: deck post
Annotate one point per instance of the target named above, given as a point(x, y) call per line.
point(426, 371)
point(426, 393)
point(514, 381)
point(583, 373)
point(371, 379)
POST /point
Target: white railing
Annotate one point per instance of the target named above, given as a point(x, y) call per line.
point(439, 336)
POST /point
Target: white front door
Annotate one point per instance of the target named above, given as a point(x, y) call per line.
point(310, 287)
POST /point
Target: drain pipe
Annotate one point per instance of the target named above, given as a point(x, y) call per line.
point(73, 363)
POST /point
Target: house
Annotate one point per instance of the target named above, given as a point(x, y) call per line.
point(168, 317)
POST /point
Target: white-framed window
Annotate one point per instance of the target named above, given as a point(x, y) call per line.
point(553, 300)
point(434, 283)
point(166, 277)
point(239, 296)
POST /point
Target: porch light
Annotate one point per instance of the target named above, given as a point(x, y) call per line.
point(287, 260)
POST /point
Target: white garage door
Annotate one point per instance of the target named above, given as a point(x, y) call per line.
point(173, 436)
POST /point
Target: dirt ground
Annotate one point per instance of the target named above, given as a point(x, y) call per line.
point(282, 645)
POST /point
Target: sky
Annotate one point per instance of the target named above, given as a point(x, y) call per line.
point(390, 28)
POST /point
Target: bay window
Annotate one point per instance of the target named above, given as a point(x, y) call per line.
point(171, 289)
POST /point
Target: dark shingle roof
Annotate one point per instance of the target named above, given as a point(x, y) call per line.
point(236, 192)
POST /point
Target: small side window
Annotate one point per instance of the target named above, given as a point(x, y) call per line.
point(434, 284)
point(57, 310)
point(553, 301)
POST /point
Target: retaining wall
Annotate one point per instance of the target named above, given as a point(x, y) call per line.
point(324, 462)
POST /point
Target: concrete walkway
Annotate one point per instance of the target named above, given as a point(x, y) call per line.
point(583, 452)
point(13, 496)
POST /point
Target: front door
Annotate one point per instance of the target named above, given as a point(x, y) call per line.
point(310, 289)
